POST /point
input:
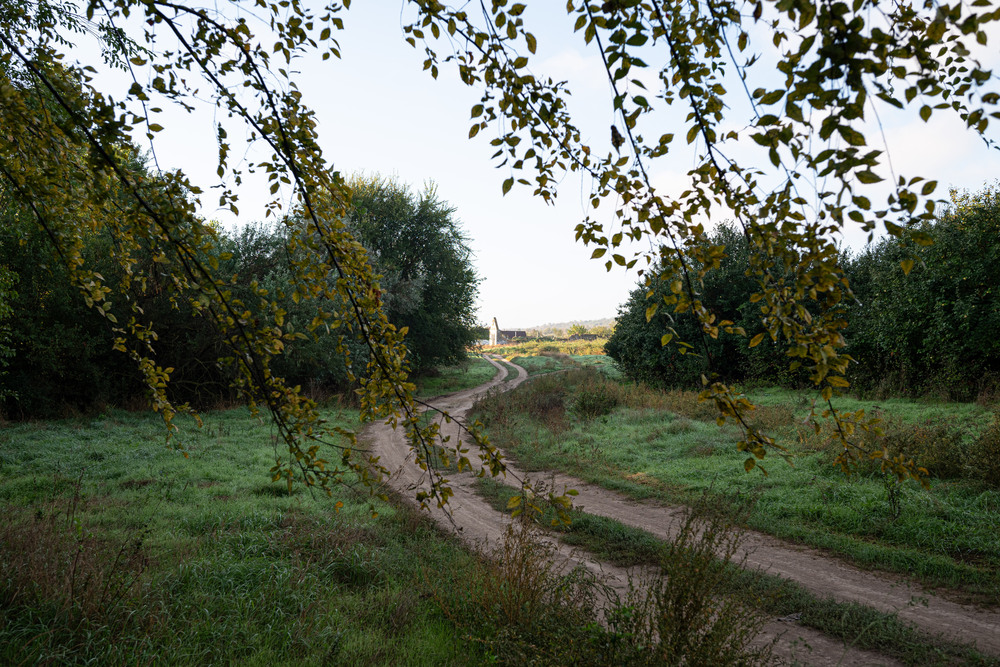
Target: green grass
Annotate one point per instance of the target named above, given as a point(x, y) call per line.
point(858, 625)
point(511, 371)
point(945, 536)
point(550, 362)
point(223, 566)
point(115, 549)
point(538, 347)
point(600, 362)
point(474, 372)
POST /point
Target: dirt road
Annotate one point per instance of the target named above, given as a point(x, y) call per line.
point(822, 575)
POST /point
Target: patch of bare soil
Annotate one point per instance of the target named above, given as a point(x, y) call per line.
point(481, 525)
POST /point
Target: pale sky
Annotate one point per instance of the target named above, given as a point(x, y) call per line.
point(379, 112)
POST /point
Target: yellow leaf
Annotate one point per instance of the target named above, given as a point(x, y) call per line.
point(755, 341)
point(907, 265)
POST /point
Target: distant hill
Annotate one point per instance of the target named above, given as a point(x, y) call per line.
point(563, 326)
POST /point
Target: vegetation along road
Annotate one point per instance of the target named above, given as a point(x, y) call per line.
point(825, 577)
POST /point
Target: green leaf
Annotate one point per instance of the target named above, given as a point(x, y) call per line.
point(532, 43)
point(851, 136)
point(508, 184)
point(772, 97)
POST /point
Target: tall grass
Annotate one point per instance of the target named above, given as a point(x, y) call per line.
point(538, 611)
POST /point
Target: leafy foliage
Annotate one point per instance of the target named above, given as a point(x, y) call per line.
point(642, 351)
point(833, 62)
point(933, 330)
point(75, 368)
point(428, 283)
point(65, 168)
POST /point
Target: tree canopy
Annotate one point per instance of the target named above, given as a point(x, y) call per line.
point(427, 279)
point(813, 168)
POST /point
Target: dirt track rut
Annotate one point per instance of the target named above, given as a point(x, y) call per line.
point(481, 525)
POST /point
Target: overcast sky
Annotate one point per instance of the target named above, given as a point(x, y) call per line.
point(378, 112)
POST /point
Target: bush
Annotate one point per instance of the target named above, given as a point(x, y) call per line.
point(934, 446)
point(526, 609)
point(680, 616)
point(636, 345)
point(933, 331)
point(597, 397)
point(983, 460)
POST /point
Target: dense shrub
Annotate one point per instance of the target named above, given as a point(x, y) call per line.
point(598, 398)
point(936, 446)
point(932, 331)
point(636, 345)
point(983, 459)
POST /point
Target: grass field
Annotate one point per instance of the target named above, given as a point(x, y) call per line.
point(550, 362)
point(652, 444)
point(115, 549)
point(474, 372)
point(539, 347)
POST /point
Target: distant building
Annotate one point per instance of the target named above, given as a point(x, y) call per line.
point(499, 336)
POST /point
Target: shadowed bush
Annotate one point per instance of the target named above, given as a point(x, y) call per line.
point(983, 460)
point(680, 615)
point(596, 396)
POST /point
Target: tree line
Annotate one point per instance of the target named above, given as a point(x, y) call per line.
point(57, 355)
point(923, 320)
